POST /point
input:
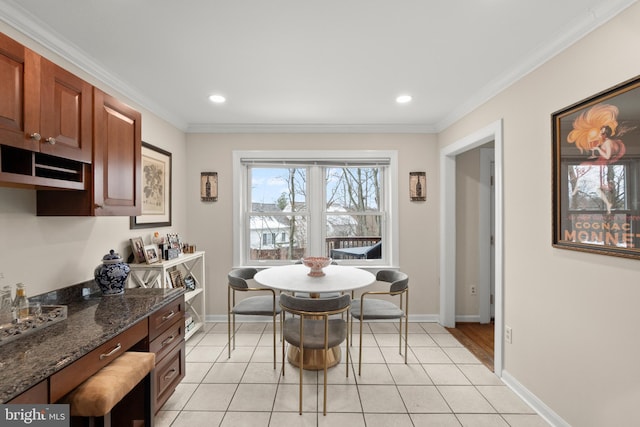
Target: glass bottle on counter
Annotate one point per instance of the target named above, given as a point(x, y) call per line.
point(20, 303)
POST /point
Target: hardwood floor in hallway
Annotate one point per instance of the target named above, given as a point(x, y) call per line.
point(478, 338)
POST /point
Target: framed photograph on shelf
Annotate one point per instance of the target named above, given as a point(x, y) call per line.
point(176, 279)
point(596, 173)
point(156, 189)
point(209, 186)
point(417, 186)
point(151, 254)
point(137, 247)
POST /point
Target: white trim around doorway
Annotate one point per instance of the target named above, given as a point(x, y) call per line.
point(492, 132)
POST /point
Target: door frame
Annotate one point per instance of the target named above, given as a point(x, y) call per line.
point(492, 132)
point(485, 247)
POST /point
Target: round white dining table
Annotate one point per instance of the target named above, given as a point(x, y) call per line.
point(295, 278)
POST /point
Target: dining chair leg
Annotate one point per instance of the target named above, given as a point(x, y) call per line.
point(406, 326)
point(400, 338)
point(301, 362)
point(326, 350)
point(347, 326)
point(360, 349)
point(283, 358)
point(229, 321)
point(274, 339)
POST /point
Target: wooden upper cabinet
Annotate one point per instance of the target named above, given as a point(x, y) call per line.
point(115, 180)
point(13, 93)
point(117, 155)
point(43, 108)
point(65, 113)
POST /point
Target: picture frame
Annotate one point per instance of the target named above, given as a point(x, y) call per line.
point(176, 279)
point(137, 248)
point(151, 254)
point(596, 170)
point(209, 186)
point(156, 189)
point(418, 186)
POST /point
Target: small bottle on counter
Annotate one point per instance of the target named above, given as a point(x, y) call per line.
point(20, 303)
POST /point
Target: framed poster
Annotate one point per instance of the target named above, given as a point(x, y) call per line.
point(156, 189)
point(596, 173)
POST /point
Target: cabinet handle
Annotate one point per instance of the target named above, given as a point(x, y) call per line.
point(51, 140)
point(112, 352)
point(168, 316)
point(168, 340)
point(35, 136)
point(170, 375)
point(97, 206)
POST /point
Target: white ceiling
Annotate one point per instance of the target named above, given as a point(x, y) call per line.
point(308, 65)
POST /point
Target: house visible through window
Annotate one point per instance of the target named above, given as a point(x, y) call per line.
point(335, 204)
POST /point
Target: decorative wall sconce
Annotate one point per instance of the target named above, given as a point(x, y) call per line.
point(209, 186)
point(418, 186)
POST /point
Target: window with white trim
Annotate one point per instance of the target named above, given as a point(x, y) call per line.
point(292, 204)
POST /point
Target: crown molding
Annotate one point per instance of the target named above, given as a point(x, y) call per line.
point(309, 128)
point(14, 15)
point(582, 26)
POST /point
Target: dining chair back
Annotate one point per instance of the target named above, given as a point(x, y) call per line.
point(260, 305)
point(367, 308)
point(312, 327)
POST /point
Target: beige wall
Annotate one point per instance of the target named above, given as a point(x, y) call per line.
point(210, 223)
point(48, 253)
point(574, 315)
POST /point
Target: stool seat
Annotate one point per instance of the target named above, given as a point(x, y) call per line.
point(103, 390)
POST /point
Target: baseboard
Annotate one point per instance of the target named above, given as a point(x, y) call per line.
point(473, 318)
point(532, 400)
point(422, 318)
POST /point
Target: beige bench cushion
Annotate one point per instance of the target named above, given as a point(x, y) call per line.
point(101, 392)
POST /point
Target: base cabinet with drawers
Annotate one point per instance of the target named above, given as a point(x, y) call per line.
point(166, 340)
point(161, 332)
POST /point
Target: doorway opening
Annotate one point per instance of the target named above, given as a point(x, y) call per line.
point(448, 317)
point(475, 293)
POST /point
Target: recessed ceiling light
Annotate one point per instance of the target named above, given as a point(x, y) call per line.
point(217, 99)
point(403, 99)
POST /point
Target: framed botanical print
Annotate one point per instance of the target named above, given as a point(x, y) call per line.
point(596, 173)
point(156, 189)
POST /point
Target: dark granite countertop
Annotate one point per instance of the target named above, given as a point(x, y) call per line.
point(91, 320)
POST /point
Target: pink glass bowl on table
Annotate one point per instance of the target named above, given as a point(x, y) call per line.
point(316, 264)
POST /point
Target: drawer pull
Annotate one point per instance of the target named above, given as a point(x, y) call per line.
point(168, 316)
point(172, 373)
point(168, 340)
point(112, 352)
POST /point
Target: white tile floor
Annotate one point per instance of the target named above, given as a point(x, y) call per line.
point(443, 384)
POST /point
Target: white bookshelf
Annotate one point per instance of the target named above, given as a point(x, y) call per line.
point(157, 275)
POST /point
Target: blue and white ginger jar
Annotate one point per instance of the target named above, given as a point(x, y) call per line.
point(112, 274)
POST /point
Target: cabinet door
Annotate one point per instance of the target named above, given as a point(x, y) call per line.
point(19, 86)
point(117, 156)
point(65, 113)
